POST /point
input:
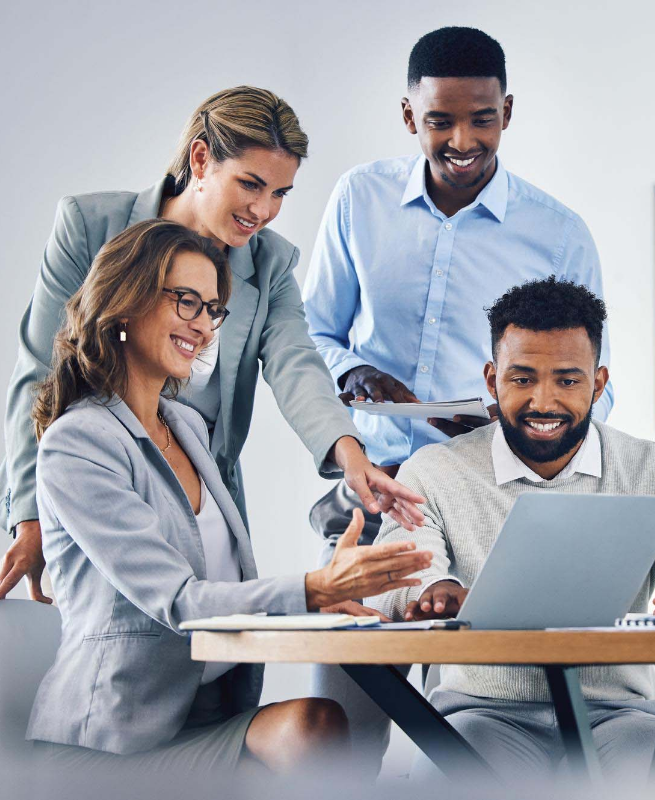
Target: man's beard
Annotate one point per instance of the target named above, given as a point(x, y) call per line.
point(541, 452)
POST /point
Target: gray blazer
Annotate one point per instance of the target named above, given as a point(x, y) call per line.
point(125, 555)
point(266, 324)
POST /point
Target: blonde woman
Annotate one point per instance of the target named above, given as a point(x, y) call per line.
point(236, 161)
point(139, 532)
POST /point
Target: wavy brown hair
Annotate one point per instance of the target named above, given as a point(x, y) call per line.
point(125, 280)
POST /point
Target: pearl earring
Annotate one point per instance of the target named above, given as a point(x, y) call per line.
point(198, 186)
point(123, 333)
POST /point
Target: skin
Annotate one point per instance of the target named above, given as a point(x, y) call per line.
point(251, 187)
point(543, 374)
point(462, 118)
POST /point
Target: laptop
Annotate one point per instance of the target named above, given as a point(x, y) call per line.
point(564, 561)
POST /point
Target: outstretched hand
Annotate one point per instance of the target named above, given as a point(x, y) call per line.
point(24, 558)
point(368, 383)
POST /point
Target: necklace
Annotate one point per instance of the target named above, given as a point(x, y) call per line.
point(168, 433)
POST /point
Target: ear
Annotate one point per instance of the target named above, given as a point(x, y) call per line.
point(490, 378)
point(508, 105)
point(600, 381)
point(408, 115)
point(198, 157)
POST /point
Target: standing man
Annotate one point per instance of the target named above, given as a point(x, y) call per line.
point(412, 249)
point(410, 252)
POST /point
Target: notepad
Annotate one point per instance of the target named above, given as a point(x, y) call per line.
point(291, 622)
point(473, 407)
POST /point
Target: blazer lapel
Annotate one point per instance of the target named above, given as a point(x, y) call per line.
point(234, 334)
point(146, 205)
point(206, 466)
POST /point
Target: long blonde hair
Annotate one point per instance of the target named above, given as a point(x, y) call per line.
point(235, 119)
point(125, 280)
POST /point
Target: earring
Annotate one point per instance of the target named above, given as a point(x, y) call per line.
point(123, 333)
point(198, 185)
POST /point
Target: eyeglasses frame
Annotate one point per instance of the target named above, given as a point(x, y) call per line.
point(203, 304)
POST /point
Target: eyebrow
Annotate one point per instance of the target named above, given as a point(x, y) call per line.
point(262, 182)
point(444, 114)
point(189, 290)
point(561, 371)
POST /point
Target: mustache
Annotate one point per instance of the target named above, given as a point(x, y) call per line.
point(549, 415)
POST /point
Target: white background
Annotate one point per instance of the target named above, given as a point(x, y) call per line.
point(94, 96)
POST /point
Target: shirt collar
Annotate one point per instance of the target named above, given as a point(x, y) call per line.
point(508, 467)
point(493, 197)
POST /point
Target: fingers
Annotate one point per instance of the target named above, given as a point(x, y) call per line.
point(471, 422)
point(351, 535)
point(346, 397)
point(388, 550)
point(36, 592)
point(403, 564)
point(451, 429)
point(359, 484)
point(10, 580)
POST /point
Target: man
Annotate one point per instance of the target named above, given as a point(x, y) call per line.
point(545, 377)
point(411, 250)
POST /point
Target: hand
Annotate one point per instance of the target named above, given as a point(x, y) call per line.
point(439, 601)
point(377, 490)
point(363, 571)
point(355, 609)
point(363, 382)
point(24, 557)
point(462, 423)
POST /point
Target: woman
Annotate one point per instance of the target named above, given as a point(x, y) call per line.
point(235, 162)
point(139, 532)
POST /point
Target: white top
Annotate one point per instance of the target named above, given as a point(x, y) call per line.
point(221, 558)
point(509, 467)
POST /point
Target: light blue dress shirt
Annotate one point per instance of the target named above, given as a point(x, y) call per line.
point(396, 284)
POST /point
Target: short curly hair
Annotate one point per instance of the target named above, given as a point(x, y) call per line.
point(548, 305)
point(456, 52)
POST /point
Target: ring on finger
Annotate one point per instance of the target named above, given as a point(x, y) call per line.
point(390, 578)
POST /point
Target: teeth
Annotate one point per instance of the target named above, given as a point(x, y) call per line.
point(549, 426)
point(244, 222)
point(461, 163)
point(181, 343)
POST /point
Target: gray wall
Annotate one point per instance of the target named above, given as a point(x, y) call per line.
point(94, 96)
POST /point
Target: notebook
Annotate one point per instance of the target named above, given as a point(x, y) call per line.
point(474, 407)
point(273, 622)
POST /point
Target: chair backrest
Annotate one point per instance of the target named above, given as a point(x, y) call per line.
point(29, 637)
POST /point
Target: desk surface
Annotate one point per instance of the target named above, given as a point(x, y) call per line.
point(427, 647)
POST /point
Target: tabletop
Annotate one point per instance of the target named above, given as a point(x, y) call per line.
point(632, 646)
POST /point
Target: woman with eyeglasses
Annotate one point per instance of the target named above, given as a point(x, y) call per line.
point(140, 534)
point(236, 161)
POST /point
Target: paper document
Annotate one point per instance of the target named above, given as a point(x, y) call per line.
point(474, 407)
point(291, 622)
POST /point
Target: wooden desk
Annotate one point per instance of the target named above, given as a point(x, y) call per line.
point(367, 655)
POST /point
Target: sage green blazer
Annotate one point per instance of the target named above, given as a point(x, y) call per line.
point(266, 324)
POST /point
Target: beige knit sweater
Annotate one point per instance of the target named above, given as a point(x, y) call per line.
point(465, 511)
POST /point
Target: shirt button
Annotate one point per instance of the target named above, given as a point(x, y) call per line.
point(432, 320)
point(424, 368)
point(439, 273)
point(448, 226)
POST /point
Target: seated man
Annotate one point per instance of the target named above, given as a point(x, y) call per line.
point(545, 376)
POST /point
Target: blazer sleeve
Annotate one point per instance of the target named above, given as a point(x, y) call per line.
point(85, 478)
point(297, 374)
point(64, 266)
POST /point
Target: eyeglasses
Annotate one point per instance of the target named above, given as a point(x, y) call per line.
point(190, 305)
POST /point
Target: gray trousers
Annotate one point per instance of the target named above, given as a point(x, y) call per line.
point(521, 741)
point(369, 725)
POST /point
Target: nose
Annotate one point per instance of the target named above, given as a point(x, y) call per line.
point(543, 400)
point(203, 325)
point(461, 139)
point(260, 208)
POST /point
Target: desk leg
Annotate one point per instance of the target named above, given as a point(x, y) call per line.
point(424, 725)
point(571, 712)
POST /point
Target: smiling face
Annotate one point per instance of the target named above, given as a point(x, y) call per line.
point(239, 196)
point(545, 383)
point(160, 344)
point(459, 122)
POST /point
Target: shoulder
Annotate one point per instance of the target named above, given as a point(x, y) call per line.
point(268, 244)
point(622, 448)
point(471, 450)
point(94, 206)
point(524, 193)
point(390, 170)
